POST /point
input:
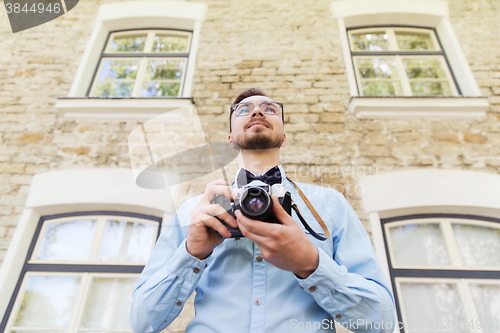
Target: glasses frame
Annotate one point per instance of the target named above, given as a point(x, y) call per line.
point(234, 106)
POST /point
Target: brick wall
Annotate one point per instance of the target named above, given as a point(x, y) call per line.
point(291, 49)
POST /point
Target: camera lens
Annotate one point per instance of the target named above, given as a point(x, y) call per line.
point(255, 203)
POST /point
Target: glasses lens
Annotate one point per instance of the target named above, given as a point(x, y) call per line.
point(243, 109)
point(270, 108)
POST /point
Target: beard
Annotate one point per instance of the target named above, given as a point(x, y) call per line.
point(258, 141)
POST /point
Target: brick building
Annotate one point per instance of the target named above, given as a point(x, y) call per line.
point(396, 104)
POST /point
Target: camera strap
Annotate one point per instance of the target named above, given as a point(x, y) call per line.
point(315, 213)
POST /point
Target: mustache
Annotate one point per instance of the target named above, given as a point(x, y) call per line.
point(259, 120)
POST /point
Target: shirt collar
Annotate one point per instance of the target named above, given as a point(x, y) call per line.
point(283, 174)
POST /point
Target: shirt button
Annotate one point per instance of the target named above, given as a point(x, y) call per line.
point(196, 270)
point(338, 316)
point(257, 301)
point(179, 303)
point(259, 258)
point(313, 288)
point(206, 265)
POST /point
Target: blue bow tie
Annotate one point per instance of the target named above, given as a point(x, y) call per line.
point(271, 177)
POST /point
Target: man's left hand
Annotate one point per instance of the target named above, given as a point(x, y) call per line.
point(285, 245)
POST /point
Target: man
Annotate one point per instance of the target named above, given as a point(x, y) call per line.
point(278, 278)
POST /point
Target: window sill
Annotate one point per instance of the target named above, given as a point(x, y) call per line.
point(122, 109)
point(419, 107)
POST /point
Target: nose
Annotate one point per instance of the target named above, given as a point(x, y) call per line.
point(259, 112)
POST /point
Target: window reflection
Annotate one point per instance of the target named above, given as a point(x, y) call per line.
point(478, 246)
point(127, 241)
point(108, 303)
point(69, 240)
point(431, 307)
point(419, 245)
point(48, 301)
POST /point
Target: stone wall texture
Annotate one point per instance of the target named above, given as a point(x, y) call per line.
point(292, 50)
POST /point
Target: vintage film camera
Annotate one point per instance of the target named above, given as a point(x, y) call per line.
point(254, 201)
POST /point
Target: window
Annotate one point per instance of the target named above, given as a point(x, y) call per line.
point(406, 61)
point(436, 234)
point(445, 271)
point(142, 55)
point(399, 61)
point(143, 63)
point(80, 272)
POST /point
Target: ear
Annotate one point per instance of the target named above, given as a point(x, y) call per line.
point(284, 140)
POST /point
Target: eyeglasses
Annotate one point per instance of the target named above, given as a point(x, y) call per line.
point(244, 109)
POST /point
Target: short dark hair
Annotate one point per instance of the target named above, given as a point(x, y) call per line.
point(248, 93)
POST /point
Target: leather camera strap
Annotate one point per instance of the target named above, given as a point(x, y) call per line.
point(316, 215)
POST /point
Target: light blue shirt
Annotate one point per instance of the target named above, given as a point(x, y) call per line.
point(237, 291)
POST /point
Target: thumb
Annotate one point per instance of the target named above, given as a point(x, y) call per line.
point(280, 212)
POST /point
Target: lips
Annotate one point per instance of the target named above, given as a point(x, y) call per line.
point(257, 123)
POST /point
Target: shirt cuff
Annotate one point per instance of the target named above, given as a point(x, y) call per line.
point(186, 266)
point(326, 278)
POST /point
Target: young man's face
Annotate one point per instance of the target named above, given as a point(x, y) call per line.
point(258, 130)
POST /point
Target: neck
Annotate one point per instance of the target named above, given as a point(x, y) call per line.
point(259, 161)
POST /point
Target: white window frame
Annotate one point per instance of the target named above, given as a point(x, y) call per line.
point(449, 239)
point(80, 300)
point(95, 246)
point(77, 190)
point(402, 76)
point(426, 14)
point(143, 60)
point(463, 292)
point(426, 191)
point(175, 15)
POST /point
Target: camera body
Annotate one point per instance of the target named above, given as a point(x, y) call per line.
point(254, 201)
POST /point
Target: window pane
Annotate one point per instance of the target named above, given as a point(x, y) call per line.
point(163, 77)
point(419, 245)
point(375, 41)
point(170, 44)
point(127, 241)
point(432, 307)
point(158, 89)
point(48, 301)
point(108, 303)
point(414, 40)
point(377, 68)
point(430, 88)
point(487, 301)
point(129, 43)
point(384, 88)
point(165, 70)
point(67, 240)
point(379, 76)
point(478, 246)
point(116, 78)
point(424, 67)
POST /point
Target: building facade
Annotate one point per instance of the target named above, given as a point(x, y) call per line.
point(395, 104)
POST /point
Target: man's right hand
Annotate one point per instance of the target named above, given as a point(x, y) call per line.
point(202, 237)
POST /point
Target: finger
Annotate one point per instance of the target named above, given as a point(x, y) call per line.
point(280, 212)
point(219, 211)
point(264, 229)
point(218, 182)
point(212, 222)
point(258, 239)
point(219, 189)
